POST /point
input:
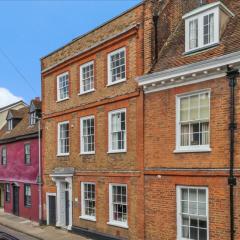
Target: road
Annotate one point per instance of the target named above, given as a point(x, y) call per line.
point(17, 235)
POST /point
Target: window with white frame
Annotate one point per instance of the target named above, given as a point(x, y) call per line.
point(118, 204)
point(117, 66)
point(27, 154)
point(63, 86)
point(192, 210)
point(7, 192)
point(32, 118)
point(4, 156)
point(87, 77)
point(202, 29)
point(10, 124)
point(117, 131)
point(27, 195)
point(88, 192)
point(63, 138)
point(87, 135)
point(193, 118)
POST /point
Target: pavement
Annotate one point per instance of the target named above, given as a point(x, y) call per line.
point(31, 229)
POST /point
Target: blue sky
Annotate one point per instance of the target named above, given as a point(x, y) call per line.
point(32, 29)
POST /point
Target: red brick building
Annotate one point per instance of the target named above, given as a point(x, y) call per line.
point(191, 107)
point(93, 129)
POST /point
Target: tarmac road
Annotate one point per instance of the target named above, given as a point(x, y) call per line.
point(15, 234)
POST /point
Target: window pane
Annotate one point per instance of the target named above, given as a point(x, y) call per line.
point(117, 66)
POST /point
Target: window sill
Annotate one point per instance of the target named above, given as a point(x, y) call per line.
point(83, 93)
point(88, 218)
point(198, 150)
point(200, 49)
point(119, 151)
point(63, 155)
point(118, 224)
point(62, 100)
point(86, 153)
point(114, 83)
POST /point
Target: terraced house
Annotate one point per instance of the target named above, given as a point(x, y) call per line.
point(191, 123)
point(19, 165)
point(93, 128)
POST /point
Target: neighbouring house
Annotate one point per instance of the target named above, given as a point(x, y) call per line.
point(4, 110)
point(191, 122)
point(93, 128)
point(19, 161)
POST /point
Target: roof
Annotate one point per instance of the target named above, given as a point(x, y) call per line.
point(171, 54)
point(22, 129)
point(16, 114)
point(12, 105)
point(94, 29)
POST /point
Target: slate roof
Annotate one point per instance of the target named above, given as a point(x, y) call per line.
point(21, 129)
point(172, 55)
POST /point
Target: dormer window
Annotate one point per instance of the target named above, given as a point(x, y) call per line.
point(204, 25)
point(32, 118)
point(10, 124)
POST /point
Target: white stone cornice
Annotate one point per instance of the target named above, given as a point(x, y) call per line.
point(189, 74)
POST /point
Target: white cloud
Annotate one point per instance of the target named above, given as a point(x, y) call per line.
point(6, 97)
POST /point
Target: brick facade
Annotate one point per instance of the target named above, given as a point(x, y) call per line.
point(101, 168)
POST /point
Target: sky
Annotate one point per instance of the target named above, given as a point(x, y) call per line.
point(30, 29)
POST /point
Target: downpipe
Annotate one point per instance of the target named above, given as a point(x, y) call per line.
point(232, 75)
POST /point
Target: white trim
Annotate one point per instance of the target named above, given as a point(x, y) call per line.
point(47, 204)
point(81, 80)
point(178, 204)
point(58, 93)
point(190, 148)
point(89, 91)
point(81, 135)
point(110, 131)
point(83, 215)
point(59, 179)
point(110, 83)
point(185, 83)
point(210, 65)
point(111, 221)
point(58, 142)
point(207, 7)
point(200, 29)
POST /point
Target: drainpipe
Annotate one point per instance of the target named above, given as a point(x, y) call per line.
point(39, 173)
point(155, 22)
point(232, 75)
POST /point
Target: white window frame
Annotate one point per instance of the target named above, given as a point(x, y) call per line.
point(192, 148)
point(81, 135)
point(179, 217)
point(81, 78)
point(33, 118)
point(58, 90)
point(110, 150)
point(10, 124)
point(200, 17)
point(83, 215)
point(111, 221)
point(109, 66)
point(58, 139)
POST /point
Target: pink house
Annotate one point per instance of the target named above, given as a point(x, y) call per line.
point(19, 162)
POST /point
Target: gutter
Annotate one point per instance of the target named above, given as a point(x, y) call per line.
point(232, 75)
